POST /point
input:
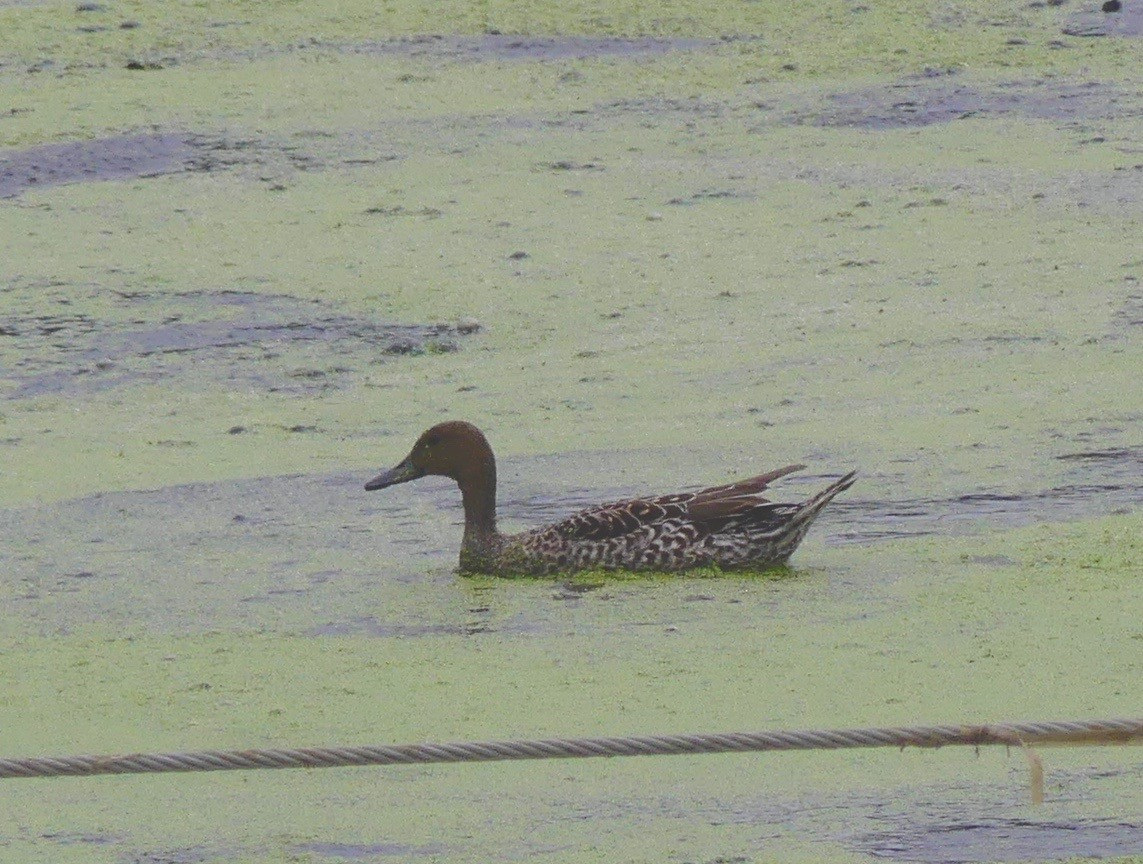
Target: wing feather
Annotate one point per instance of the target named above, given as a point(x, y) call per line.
point(714, 505)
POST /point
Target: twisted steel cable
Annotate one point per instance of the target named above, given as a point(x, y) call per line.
point(1060, 733)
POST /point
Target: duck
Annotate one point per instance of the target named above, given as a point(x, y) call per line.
point(729, 527)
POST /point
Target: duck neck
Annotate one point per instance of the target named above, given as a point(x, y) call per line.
point(478, 491)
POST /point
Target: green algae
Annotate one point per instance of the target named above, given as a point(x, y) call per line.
point(866, 314)
point(829, 38)
point(944, 638)
point(721, 273)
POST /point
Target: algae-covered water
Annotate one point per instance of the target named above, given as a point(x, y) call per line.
point(251, 250)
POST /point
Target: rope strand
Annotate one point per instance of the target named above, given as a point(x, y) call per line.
point(1061, 733)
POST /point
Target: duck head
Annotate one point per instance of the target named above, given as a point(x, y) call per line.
point(454, 449)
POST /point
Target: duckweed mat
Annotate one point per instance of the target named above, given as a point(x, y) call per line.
point(250, 252)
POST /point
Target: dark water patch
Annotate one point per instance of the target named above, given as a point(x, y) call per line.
point(1006, 840)
point(116, 158)
point(871, 521)
point(68, 838)
point(568, 165)
point(963, 823)
point(124, 157)
point(937, 823)
point(992, 560)
point(915, 102)
point(1131, 455)
point(185, 855)
point(317, 556)
point(1113, 467)
point(710, 195)
point(691, 107)
point(370, 626)
point(1130, 314)
point(368, 851)
point(1124, 19)
point(235, 338)
point(180, 559)
point(399, 210)
point(364, 626)
point(503, 47)
point(326, 558)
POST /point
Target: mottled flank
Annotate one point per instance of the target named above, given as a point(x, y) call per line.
point(731, 527)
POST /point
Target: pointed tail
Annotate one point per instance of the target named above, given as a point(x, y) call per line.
point(815, 505)
point(790, 534)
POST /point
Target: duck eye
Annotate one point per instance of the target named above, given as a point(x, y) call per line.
point(432, 441)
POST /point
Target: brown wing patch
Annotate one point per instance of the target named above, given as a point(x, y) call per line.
point(618, 518)
point(713, 509)
point(749, 486)
point(734, 499)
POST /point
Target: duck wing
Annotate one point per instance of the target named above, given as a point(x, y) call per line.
point(717, 504)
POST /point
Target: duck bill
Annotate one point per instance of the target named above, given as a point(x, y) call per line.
point(402, 473)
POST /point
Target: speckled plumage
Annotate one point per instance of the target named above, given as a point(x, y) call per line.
point(731, 527)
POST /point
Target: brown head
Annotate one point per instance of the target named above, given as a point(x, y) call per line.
point(458, 450)
point(454, 449)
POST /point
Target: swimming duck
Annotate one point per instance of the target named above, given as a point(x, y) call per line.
point(731, 527)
